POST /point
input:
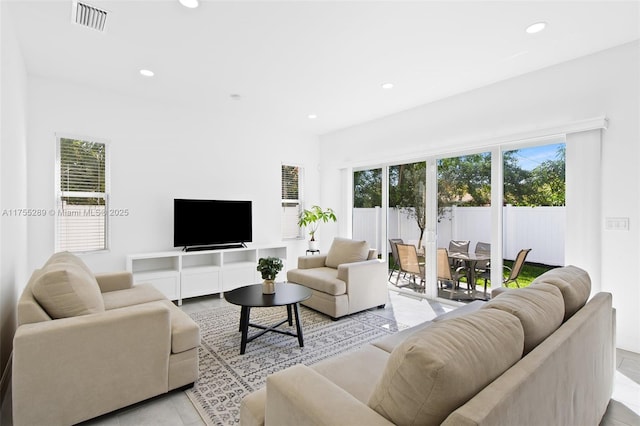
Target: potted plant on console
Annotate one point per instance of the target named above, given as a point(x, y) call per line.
point(311, 218)
point(269, 268)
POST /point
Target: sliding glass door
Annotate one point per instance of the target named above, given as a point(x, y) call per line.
point(534, 214)
point(488, 205)
point(367, 207)
point(464, 225)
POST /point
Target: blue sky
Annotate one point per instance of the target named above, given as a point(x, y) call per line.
point(529, 158)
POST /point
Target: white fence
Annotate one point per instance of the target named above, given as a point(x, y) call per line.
point(541, 229)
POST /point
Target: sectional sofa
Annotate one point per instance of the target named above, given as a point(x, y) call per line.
point(89, 344)
point(541, 355)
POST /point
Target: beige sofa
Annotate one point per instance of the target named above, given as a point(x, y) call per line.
point(531, 356)
point(87, 345)
point(348, 279)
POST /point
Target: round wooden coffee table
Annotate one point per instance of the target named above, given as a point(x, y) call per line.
point(287, 294)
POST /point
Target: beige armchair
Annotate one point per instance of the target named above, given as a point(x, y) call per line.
point(348, 279)
point(87, 345)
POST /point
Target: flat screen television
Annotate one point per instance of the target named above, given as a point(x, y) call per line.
point(211, 224)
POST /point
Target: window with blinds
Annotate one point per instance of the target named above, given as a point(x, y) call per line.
point(291, 201)
point(82, 195)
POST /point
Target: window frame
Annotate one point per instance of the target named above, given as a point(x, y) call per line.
point(60, 194)
point(299, 201)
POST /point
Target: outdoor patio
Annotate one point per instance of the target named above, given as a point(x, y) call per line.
point(403, 281)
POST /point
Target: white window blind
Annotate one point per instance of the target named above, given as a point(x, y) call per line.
point(82, 194)
point(291, 200)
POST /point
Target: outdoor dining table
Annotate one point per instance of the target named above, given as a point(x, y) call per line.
point(470, 260)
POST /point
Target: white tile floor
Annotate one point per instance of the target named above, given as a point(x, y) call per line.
point(175, 409)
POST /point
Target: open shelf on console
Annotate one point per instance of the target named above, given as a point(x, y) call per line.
point(181, 274)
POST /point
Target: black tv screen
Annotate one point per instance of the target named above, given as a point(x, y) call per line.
point(211, 222)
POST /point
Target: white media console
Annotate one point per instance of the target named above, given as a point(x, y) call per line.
point(180, 275)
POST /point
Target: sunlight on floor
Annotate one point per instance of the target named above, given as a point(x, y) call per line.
point(626, 392)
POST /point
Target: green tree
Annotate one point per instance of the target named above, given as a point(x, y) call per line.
point(82, 169)
point(367, 188)
point(407, 191)
point(547, 182)
point(464, 180)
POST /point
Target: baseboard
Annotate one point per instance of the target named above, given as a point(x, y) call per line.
point(5, 381)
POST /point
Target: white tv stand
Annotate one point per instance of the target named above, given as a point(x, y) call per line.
point(180, 275)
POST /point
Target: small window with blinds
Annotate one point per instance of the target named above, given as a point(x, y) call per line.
point(82, 195)
point(291, 201)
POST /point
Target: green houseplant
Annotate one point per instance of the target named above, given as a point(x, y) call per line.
point(311, 218)
point(269, 268)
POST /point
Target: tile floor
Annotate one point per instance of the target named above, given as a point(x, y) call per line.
point(175, 409)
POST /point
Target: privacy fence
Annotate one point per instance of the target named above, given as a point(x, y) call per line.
point(541, 229)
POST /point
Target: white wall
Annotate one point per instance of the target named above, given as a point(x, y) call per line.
point(603, 84)
point(13, 183)
point(159, 152)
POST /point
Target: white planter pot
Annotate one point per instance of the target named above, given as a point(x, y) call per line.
point(313, 245)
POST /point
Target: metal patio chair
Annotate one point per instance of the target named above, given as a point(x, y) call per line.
point(394, 255)
point(514, 272)
point(458, 246)
point(409, 263)
point(446, 274)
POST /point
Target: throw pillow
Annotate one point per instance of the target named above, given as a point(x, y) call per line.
point(67, 257)
point(574, 284)
point(440, 367)
point(67, 290)
point(344, 250)
point(540, 310)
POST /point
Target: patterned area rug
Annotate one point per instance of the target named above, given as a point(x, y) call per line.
point(226, 376)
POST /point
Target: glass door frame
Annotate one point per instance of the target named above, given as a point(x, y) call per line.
point(431, 185)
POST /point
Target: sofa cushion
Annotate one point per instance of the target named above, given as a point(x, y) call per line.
point(390, 342)
point(574, 284)
point(344, 250)
point(185, 333)
point(357, 371)
point(141, 293)
point(67, 290)
point(322, 279)
point(539, 308)
point(442, 366)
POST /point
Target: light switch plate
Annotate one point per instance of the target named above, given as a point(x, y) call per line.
point(617, 223)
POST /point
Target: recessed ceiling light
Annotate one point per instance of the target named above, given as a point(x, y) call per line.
point(536, 28)
point(387, 85)
point(312, 116)
point(235, 96)
point(146, 73)
point(191, 4)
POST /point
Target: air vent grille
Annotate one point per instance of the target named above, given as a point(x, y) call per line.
point(89, 16)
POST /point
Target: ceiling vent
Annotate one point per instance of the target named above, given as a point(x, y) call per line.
point(88, 16)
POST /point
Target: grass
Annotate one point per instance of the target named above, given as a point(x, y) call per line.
point(530, 271)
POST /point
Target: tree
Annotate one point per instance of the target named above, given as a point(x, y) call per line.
point(547, 182)
point(407, 191)
point(367, 188)
point(464, 180)
point(82, 170)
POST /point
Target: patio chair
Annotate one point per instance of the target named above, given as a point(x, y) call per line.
point(458, 246)
point(446, 274)
point(394, 255)
point(514, 272)
point(409, 263)
point(483, 266)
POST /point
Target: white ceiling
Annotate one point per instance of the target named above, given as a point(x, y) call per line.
point(288, 59)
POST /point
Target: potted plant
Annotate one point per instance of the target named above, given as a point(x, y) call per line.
point(311, 218)
point(269, 268)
